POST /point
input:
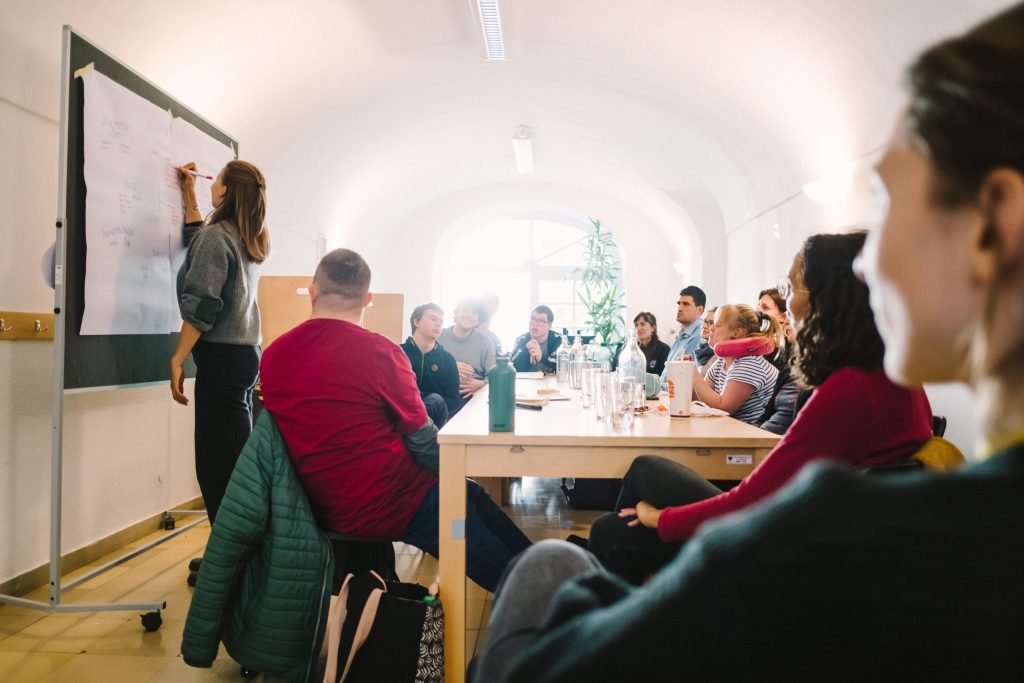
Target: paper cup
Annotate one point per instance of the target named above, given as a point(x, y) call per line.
point(680, 387)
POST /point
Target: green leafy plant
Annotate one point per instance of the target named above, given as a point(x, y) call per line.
point(597, 286)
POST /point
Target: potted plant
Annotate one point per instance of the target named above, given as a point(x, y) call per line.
point(597, 286)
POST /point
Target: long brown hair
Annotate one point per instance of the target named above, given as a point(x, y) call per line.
point(967, 111)
point(245, 204)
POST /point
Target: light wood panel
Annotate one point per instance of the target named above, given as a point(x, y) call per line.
point(284, 304)
point(26, 326)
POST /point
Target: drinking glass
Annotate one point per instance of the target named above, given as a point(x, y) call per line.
point(624, 399)
point(589, 372)
point(576, 374)
point(606, 384)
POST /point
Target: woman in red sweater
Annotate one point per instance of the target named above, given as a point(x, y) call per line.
point(856, 416)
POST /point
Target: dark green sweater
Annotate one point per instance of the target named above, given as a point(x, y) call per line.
point(839, 576)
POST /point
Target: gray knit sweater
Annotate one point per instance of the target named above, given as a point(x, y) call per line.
point(217, 285)
point(475, 349)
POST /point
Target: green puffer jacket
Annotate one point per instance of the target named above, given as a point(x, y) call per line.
point(265, 584)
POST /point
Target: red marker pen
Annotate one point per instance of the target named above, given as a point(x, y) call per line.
point(196, 173)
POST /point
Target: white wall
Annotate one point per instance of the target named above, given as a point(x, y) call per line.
point(409, 264)
point(128, 454)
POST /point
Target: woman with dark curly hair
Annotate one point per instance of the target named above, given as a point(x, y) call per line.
point(842, 576)
point(856, 417)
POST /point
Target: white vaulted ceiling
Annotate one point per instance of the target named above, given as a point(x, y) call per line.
point(369, 110)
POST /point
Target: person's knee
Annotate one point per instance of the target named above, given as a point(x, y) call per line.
point(551, 558)
point(437, 409)
point(644, 463)
point(549, 554)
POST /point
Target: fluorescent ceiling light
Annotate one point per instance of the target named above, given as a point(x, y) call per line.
point(522, 147)
point(490, 21)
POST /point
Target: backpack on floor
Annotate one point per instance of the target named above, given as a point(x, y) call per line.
point(384, 631)
point(592, 494)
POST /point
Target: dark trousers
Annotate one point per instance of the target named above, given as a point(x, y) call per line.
point(492, 539)
point(636, 552)
point(437, 409)
point(225, 377)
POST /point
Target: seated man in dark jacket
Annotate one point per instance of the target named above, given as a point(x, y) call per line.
point(537, 349)
point(437, 374)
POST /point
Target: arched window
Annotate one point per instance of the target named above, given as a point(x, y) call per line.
point(526, 262)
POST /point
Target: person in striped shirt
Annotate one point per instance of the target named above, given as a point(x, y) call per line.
point(741, 386)
point(856, 417)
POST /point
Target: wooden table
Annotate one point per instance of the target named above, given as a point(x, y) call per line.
point(565, 440)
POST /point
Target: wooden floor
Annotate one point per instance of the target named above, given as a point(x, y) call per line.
point(109, 647)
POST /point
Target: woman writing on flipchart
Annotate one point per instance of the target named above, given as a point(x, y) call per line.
point(220, 320)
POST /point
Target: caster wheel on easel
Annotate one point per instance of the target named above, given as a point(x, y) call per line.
point(151, 621)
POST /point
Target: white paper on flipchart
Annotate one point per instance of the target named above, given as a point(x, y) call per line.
point(209, 155)
point(133, 212)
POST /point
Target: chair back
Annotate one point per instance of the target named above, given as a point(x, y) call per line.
point(940, 455)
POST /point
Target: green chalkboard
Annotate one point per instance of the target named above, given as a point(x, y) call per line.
point(115, 360)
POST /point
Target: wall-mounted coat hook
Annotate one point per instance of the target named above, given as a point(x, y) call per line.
point(25, 326)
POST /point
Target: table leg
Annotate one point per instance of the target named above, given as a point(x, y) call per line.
point(452, 548)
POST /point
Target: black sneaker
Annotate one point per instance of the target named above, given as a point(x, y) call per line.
point(578, 540)
point(194, 563)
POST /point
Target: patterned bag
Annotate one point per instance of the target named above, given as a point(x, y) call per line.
point(385, 632)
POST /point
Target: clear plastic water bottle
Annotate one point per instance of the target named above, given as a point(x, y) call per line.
point(576, 357)
point(632, 369)
point(562, 364)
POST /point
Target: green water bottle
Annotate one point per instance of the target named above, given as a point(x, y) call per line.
point(502, 381)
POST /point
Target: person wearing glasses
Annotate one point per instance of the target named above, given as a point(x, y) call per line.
point(704, 354)
point(536, 350)
point(857, 417)
point(903, 576)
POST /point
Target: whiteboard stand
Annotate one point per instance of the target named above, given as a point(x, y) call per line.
point(151, 620)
